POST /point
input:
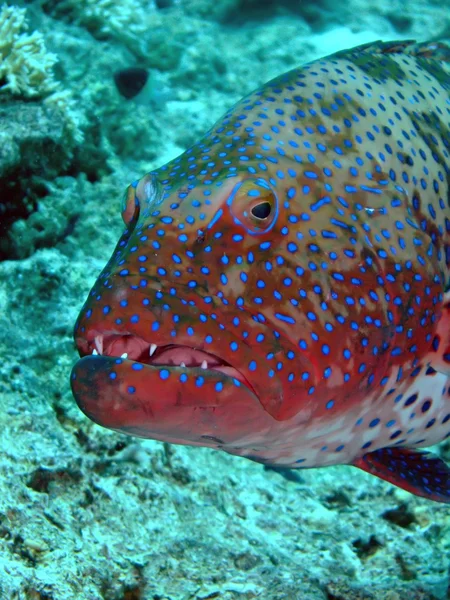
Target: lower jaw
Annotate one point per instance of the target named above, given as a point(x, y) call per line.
point(165, 402)
point(224, 369)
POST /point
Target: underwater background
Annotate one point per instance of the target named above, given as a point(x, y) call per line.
point(86, 513)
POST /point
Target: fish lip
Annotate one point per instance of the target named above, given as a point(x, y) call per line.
point(111, 344)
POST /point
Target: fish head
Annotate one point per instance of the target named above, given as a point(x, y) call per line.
point(246, 292)
point(172, 344)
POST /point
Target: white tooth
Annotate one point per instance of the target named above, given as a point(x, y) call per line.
point(204, 365)
point(94, 351)
point(124, 355)
point(152, 349)
point(98, 340)
point(182, 365)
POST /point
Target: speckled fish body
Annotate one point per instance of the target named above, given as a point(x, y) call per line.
point(280, 290)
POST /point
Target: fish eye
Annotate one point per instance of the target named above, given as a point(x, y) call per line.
point(253, 205)
point(262, 210)
point(144, 193)
point(130, 205)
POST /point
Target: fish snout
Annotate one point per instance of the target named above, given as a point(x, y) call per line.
point(179, 405)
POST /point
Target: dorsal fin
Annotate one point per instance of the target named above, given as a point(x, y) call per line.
point(383, 60)
point(435, 50)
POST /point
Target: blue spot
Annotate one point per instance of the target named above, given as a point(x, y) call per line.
point(410, 400)
point(131, 389)
point(426, 405)
point(137, 366)
point(164, 373)
point(285, 318)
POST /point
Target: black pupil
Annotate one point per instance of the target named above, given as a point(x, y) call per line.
point(262, 210)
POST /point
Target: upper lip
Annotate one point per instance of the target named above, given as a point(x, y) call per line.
point(133, 347)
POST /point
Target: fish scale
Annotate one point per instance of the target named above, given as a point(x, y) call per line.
point(280, 289)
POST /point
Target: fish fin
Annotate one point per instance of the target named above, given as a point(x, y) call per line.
point(421, 473)
point(285, 472)
point(439, 355)
point(434, 50)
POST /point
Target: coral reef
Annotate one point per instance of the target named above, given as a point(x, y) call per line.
point(88, 514)
point(36, 144)
point(39, 127)
point(26, 67)
point(125, 21)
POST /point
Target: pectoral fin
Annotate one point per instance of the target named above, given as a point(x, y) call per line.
point(421, 473)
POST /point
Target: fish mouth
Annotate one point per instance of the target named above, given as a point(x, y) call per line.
point(130, 347)
point(170, 392)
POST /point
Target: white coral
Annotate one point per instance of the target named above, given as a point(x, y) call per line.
point(127, 21)
point(26, 68)
point(112, 17)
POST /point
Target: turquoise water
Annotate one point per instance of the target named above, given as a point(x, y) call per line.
point(87, 513)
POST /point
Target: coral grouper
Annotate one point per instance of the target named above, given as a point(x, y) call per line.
point(281, 289)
